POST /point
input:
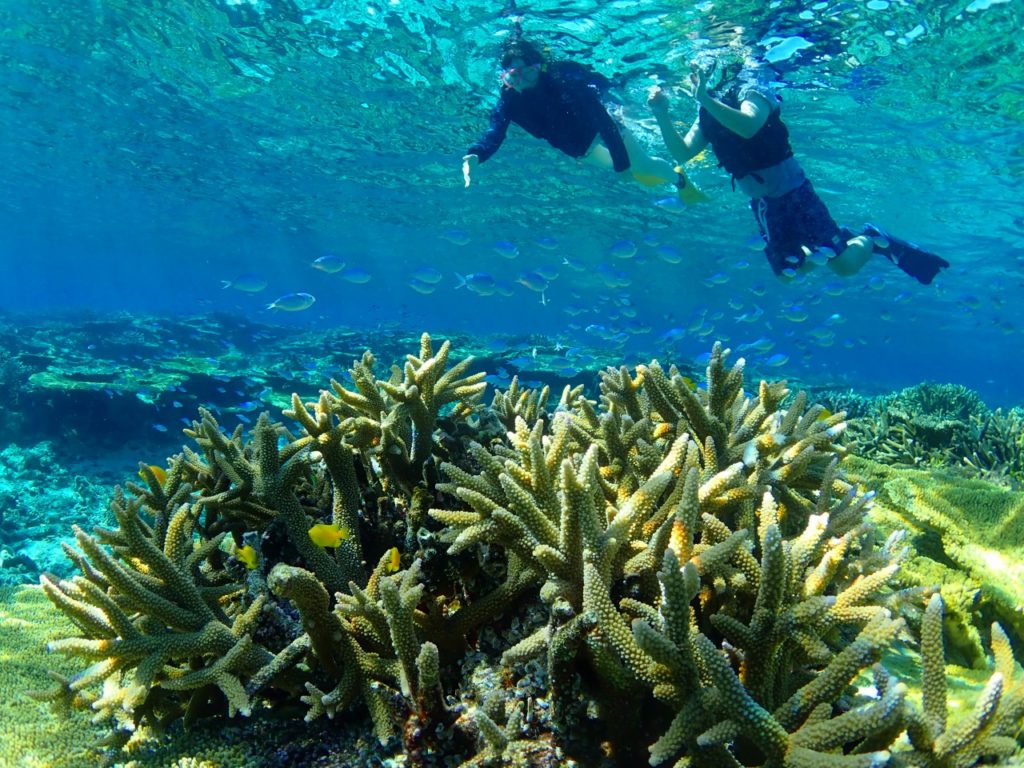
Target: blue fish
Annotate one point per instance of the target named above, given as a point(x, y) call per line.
point(533, 280)
point(356, 275)
point(456, 236)
point(623, 249)
point(671, 203)
point(669, 254)
point(479, 283)
point(329, 264)
point(505, 249)
point(293, 302)
point(834, 288)
point(427, 275)
point(421, 287)
point(247, 283)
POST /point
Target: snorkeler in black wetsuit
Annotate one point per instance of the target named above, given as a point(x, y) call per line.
point(741, 121)
point(561, 102)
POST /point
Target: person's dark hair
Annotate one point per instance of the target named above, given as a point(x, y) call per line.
point(517, 48)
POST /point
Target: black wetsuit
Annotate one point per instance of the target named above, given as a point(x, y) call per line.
point(564, 109)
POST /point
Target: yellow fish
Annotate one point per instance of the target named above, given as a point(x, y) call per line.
point(158, 472)
point(394, 560)
point(324, 535)
point(247, 555)
point(690, 383)
point(453, 607)
point(825, 414)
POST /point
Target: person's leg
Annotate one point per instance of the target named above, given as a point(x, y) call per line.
point(598, 156)
point(646, 170)
point(856, 254)
point(805, 219)
point(920, 264)
point(649, 171)
point(782, 252)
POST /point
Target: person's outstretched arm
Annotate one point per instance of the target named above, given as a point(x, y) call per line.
point(745, 121)
point(682, 148)
point(487, 144)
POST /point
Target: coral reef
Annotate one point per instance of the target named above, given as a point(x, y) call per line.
point(965, 537)
point(128, 380)
point(669, 574)
point(936, 425)
point(39, 498)
point(31, 735)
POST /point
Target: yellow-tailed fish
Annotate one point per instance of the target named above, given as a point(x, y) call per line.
point(324, 535)
point(394, 560)
point(247, 556)
point(158, 472)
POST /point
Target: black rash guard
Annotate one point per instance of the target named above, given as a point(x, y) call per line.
point(564, 108)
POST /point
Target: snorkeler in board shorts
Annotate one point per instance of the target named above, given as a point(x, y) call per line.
point(741, 120)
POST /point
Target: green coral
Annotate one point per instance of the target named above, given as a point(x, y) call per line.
point(30, 733)
point(696, 557)
point(966, 538)
point(939, 425)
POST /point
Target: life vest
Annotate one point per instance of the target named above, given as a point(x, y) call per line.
point(744, 157)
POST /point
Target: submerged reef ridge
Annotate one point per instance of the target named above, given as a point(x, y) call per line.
point(671, 574)
point(936, 425)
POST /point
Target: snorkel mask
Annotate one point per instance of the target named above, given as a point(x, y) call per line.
point(516, 76)
point(521, 64)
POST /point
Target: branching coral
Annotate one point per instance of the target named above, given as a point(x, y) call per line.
point(942, 425)
point(708, 587)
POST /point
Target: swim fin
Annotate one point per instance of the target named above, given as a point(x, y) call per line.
point(912, 259)
point(687, 190)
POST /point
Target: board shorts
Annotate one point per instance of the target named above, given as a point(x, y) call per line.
point(793, 221)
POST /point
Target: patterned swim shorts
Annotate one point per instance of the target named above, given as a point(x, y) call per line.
point(798, 218)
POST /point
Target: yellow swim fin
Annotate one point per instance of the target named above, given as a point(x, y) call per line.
point(687, 190)
point(649, 179)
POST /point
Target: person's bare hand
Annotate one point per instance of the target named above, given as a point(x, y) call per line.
point(657, 100)
point(469, 162)
point(699, 78)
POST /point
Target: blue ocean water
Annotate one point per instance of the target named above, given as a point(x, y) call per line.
point(153, 150)
point(215, 203)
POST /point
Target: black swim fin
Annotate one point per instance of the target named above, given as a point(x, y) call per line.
point(920, 264)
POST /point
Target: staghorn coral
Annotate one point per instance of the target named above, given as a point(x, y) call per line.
point(940, 425)
point(998, 454)
point(708, 587)
point(987, 731)
point(400, 415)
